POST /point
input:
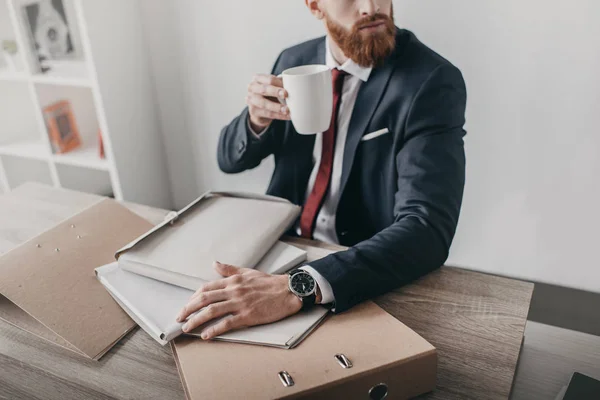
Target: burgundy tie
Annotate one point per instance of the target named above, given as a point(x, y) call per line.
point(315, 199)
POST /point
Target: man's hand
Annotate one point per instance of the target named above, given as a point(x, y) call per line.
point(263, 92)
point(251, 297)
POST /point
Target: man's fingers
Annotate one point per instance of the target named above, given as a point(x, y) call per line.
point(267, 90)
point(261, 104)
point(214, 285)
point(258, 112)
point(227, 270)
point(267, 115)
point(265, 104)
point(225, 325)
point(268, 80)
point(209, 313)
point(201, 300)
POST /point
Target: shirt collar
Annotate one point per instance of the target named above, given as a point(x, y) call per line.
point(349, 66)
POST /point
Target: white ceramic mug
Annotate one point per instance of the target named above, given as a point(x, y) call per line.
point(310, 97)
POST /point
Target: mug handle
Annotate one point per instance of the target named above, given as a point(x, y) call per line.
point(282, 101)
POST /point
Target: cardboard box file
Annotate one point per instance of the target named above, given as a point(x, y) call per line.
point(48, 285)
point(388, 360)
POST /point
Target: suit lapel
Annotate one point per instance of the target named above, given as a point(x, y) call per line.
point(368, 98)
point(319, 55)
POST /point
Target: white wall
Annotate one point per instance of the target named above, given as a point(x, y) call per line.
point(162, 35)
point(532, 68)
point(532, 202)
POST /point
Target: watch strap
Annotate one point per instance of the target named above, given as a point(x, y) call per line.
point(309, 301)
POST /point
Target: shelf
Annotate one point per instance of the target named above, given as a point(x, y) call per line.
point(20, 170)
point(36, 150)
point(86, 157)
point(84, 180)
point(45, 79)
point(71, 73)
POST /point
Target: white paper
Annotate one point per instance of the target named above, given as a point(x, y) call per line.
point(281, 258)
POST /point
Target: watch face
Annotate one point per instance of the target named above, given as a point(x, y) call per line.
point(302, 284)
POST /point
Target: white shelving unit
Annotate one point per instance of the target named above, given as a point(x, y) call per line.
point(109, 85)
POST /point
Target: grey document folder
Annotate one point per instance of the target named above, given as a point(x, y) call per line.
point(232, 228)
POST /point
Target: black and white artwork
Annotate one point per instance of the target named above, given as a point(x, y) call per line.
point(49, 31)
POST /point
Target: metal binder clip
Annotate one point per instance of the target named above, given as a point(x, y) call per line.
point(343, 361)
point(172, 217)
point(286, 379)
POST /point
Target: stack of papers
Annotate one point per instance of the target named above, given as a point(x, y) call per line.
point(154, 305)
point(156, 274)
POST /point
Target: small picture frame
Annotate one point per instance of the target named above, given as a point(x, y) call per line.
point(62, 128)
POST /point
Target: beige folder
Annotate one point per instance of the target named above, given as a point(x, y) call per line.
point(48, 284)
point(364, 353)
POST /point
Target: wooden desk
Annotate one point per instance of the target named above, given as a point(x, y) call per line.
point(476, 321)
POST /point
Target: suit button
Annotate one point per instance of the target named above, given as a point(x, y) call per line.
point(343, 233)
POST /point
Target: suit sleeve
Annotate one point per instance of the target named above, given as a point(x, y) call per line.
point(240, 149)
point(431, 176)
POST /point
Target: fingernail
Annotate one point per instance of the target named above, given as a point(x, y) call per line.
point(284, 110)
point(204, 335)
point(185, 327)
point(281, 94)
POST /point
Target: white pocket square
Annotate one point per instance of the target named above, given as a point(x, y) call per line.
point(375, 134)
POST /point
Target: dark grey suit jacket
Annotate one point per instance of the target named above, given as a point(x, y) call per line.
point(401, 192)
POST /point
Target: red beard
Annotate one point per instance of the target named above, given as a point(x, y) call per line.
point(367, 50)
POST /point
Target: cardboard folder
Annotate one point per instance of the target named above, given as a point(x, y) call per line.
point(364, 353)
point(48, 285)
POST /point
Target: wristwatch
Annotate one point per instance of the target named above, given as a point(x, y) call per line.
point(303, 285)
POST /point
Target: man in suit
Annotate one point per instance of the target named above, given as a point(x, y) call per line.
point(386, 178)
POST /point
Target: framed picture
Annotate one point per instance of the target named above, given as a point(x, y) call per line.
point(49, 31)
point(62, 129)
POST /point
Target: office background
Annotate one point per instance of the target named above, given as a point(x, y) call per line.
point(531, 202)
point(170, 74)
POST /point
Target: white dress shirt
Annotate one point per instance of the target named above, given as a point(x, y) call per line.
point(325, 224)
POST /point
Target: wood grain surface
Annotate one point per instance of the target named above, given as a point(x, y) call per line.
point(476, 321)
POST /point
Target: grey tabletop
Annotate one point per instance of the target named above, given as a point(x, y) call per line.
point(475, 320)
